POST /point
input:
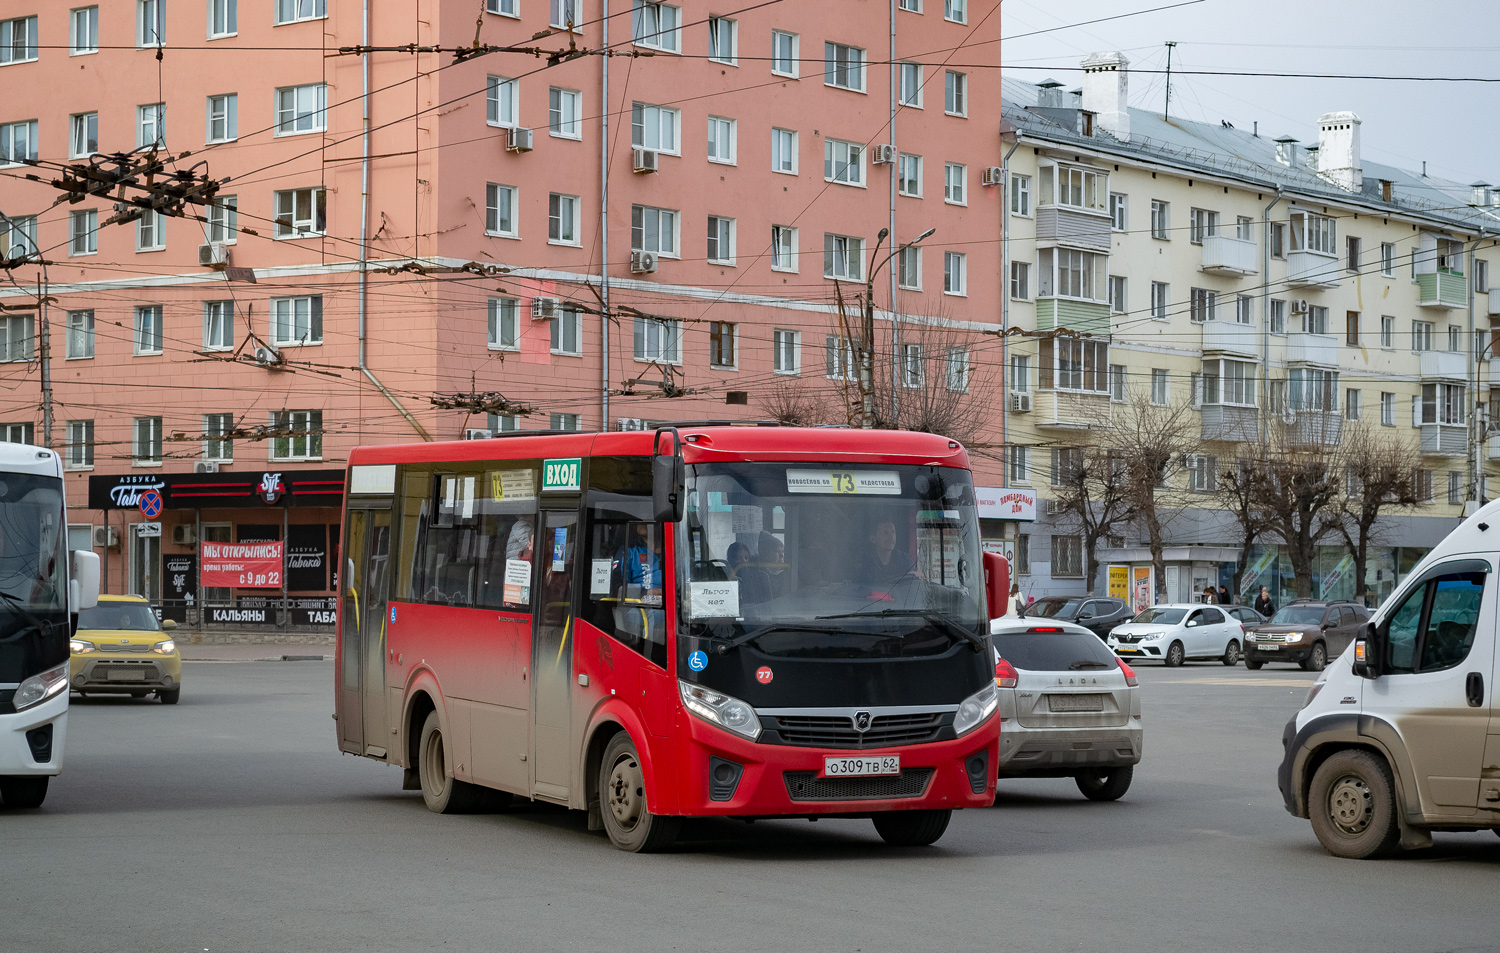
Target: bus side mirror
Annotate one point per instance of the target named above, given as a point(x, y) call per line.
point(668, 478)
point(1369, 652)
point(996, 583)
point(83, 588)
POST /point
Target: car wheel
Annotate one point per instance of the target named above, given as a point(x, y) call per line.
point(1352, 802)
point(1317, 659)
point(1175, 655)
point(169, 696)
point(911, 828)
point(1232, 653)
point(622, 794)
point(23, 792)
point(1108, 784)
point(443, 793)
point(1253, 664)
point(139, 694)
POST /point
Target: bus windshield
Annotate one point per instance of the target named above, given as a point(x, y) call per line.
point(33, 564)
point(842, 561)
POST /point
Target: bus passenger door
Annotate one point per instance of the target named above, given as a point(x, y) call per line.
point(364, 579)
point(552, 655)
point(351, 636)
point(377, 592)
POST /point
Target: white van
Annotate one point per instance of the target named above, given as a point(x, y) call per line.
point(1400, 736)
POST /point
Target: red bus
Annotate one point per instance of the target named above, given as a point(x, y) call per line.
point(705, 620)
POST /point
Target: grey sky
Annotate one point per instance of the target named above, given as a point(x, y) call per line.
point(1452, 126)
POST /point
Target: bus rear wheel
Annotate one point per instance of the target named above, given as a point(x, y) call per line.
point(911, 828)
point(23, 792)
point(622, 795)
point(443, 793)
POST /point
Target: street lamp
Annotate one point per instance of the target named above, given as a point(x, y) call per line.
point(867, 349)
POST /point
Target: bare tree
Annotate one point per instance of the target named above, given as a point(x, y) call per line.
point(1147, 442)
point(1298, 490)
point(937, 385)
point(1239, 494)
point(793, 403)
point(1093, 494)
point(1378, 477)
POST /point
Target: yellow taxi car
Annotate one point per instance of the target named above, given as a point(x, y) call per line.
point(121, 649)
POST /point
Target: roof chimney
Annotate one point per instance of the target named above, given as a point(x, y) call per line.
point(1338, 150)
point(1106, 87)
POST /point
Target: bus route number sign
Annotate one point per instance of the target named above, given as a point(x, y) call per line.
point(561, 476)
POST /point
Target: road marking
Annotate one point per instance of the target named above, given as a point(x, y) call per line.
point(1224, 680)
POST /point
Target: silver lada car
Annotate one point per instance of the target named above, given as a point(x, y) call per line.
point(1069, 708)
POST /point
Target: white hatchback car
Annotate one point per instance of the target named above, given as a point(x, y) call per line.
point(1176, 633)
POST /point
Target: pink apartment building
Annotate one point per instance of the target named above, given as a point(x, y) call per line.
point(408, 244)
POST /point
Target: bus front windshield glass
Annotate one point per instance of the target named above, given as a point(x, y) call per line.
point(33, 566)
point(839, 561)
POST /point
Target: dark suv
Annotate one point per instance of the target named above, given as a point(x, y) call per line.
point(1099, 614)
point(1308, 633)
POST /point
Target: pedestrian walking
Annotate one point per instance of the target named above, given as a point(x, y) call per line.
point(1224, 599)
point(1209, 596)
point(1263, 603)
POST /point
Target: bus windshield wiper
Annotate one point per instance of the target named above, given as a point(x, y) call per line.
point(933, 618)
point(726, 644)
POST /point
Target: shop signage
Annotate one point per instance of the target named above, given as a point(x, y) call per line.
point(180, 587)
point(242, 565)
point(240, 615)
point(1005, 503)
point(307, 558)
point(1119, 582)
point(187, 491)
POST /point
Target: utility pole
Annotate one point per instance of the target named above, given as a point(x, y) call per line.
point(45, 334)
point(867, 346)
point(1166, 110)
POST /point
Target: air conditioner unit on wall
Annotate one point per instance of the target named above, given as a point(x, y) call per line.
point(1300, 306)
point(519, 140)
point(473, 433)
point(267, 357)
point(213, 254)
point(545, 309)
point(184, 534)
point(642, 262)
point(645, 160)
point(106, 537)
point(994, 175)
point(1020, 402)
point(206, 466)
point(884, 155)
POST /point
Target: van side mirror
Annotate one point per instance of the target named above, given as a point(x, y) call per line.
point(1369, 652)
point(668, 478)
point(83, 588)
point(996, 584)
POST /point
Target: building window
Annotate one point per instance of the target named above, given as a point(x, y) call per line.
point(1161, 300)
point(956, 10)
point(786, 351)
point(720, 240)
point(562, 219)
point(955, 93)
point(654, 127)
point(721, 340)
point(1067, 273)
point(1242, 225)
point(1020, 195)
point(505, 324)
point(1161, 220)
point(1311, 388)
point(83, 140)
point(292, 11)
point(1020, 374)
point(843, 257)
point(1023, 554)
point(1481, 276)
point(1074, 365)
point(723, 40)
point(1455, 488)
point(223, 123)
point(783, 248)
point(218, 446)
point(502, 101)
point(301, 435)
point(909, 175)
point(657, 340)
point(565, 422)
point(80, 334)
point(1422, 485)
point(564, 14)
point(18, 433)
point(1352, 248)
point(1316, 233)
point(721, 140)
point(1118, 205)
point(147, 338)
point(843, 162)
point(1228, 382)
point(955, 273)
point(656, 26)
point(653, 230)
point(146, 449)
point(1387, 259)
point(79, 451)
point(1387, 409)
point(1018, 464)
point(1421, 335)
point(223, 219)
point(1351, 328)
point(1118, 379)
point(1315, 320)
point(297, 321)
point(1351, 403)
point(1160, 384)
point(1067, 557)
point(910, 6)
point(18, 142)
point(956, 378)
point(911, 366)
point(83, 31)
point(1278, 239)
point(1020, 280)
point(151, 23)
point(567, 333)
point(503, 423)
point(1443, 404)
point(223, 18)
point(500, 210)
point(844, 66)
point(83, 232)
point(911, 85)
point(1387, 330)
point(218, 325)
point(150, 231)
point(1203, 305)
point(1117, 302)
point(151, 125)
point(784, 151)
point(564, 113)
point(301, 109)
point(955, 183)
point(301, 212)
point(839, 355)
point(1202, 224)
point(17, 338)
point(784, 53)
point(1278, 316)
point(507, 8)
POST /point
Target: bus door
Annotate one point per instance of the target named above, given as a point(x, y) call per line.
point(362, 721)
point(552, 654)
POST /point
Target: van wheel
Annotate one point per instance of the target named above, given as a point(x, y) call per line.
point(1317, 659)
point(1352, 803)
point(1108, 784)
point(1253, 664)
point(443, 793)
point(23, 792)
point(911, 828)
point(1232, 652)
point(622, 792)
point(1175, 655)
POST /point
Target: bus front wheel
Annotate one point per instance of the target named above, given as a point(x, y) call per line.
point(622, 793)
point(911, 828)
point(443, 793)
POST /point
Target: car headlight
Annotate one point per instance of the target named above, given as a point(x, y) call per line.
point(726, 711)
point(39, 688)
point(1294, 636)
point(80, 646)
point(164, 647)
point(972, 711)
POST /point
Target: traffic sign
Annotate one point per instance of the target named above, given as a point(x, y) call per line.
point(151, 504)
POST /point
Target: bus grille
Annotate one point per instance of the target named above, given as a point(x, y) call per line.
point(837, 731)
point(807, 786)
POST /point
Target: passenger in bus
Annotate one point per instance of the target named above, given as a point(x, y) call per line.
point(518, 544)
point(642, 564)
point(882, 564)
point(772, 562)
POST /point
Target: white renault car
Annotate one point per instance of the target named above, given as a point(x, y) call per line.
point(1173, 634)
point(1068, 707)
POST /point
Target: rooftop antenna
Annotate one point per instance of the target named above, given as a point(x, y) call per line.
point(1166, 109)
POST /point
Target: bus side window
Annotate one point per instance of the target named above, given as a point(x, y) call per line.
point(625, 583)
point(474, 540)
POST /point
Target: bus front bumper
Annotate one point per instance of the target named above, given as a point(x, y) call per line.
point(31, 742)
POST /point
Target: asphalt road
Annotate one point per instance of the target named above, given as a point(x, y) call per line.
point(231, 823)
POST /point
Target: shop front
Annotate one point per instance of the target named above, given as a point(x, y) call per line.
point(1003, 512)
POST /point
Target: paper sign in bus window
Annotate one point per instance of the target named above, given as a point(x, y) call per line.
point(517, 582)
point(512, 484)
point(560, 549)
point(599, 577)
point(715, 600)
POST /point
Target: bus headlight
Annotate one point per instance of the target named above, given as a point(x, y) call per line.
point(975, 709)
point(39, 688)
point(723, 710)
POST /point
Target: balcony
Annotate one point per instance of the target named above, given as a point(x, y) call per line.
point(1073, 227)
point(1231, 337)
point(1444, 365)
point(1223, 255)
point(1322, 349)
point(1087, 317)
point(1229, 424)
point(1494, 296)
point(1493, 454)
point(1315, 428)
point(1068, 410)
point(1312, 269)
point(1443, 290)
point(1445, 440)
